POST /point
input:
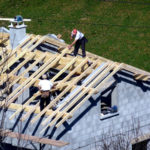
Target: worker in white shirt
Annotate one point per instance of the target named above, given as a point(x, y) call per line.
point(79, 40)
point(45, 87)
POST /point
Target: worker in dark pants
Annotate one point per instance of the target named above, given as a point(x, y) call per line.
point(79, 40)
point(45, 87)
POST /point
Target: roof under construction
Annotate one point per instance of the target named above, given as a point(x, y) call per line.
point(22, 68)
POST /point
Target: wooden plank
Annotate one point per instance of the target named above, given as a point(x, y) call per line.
point(89, 95)
point(35, 84)
point(135, 70)
point(4, 35)
point(36, 139)
point(64, 69)
point(74, 71)
point(33, 110)
point(105, 86)
point(3, 52)
point(24, 42)
point(61, 94)
point(140, 139)
point(32, 76)
point(3, 41)
point(30, 57)
point(116, 69)
point(141, 77)
point(65, 60)
point(72, 111)
point(39, 41)
point(55, 42)
point(24, 117)
point(29, 68)
point(16, 58)
point(138, 77)
point(14, 106)
point(24, 105)
point(146, 78)
point(34, 39)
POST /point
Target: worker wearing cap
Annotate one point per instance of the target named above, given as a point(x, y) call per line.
point(45, 87)
point(79, 40)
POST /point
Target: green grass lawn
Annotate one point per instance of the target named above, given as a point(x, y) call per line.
point(117, 30)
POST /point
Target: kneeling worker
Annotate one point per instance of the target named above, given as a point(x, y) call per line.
point(79, 40)
point(45, 87)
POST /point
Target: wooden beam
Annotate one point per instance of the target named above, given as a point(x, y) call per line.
point(140, 139)
point(63, 70)
point(63, 61)
point(4, 35)
point(141, 77)
point(24, 105)
point(55, 42)
point(74, 71)
point(24, 42)
point(36, 139)
point(39, 41)
point(27, 109)
point(24, 117)
point(3, 41)
point(30, 43)
point(135, 70)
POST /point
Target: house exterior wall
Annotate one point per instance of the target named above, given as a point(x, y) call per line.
point(85, 129)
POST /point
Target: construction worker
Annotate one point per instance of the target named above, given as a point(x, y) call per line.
point(45, 87)
point(79, 40)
